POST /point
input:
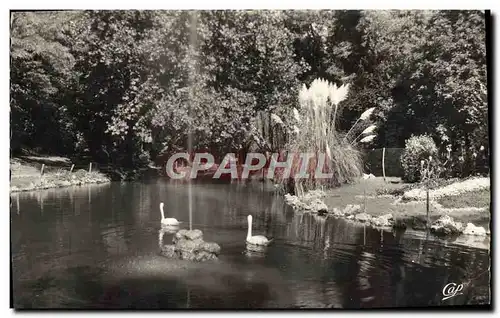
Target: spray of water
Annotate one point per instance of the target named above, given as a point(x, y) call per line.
point(192, 75)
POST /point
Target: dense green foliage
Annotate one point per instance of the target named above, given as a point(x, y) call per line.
point(418, 150)
point(126, 87)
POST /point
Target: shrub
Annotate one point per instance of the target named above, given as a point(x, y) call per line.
point(417, 148)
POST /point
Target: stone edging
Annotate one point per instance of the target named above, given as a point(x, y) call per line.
point(445, 225)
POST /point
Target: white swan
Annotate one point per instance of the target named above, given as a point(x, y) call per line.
point(167, 221)
point(258, 240)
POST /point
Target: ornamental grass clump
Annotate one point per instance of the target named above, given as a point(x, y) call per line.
point(317, 134)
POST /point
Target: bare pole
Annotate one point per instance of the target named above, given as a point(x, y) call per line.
point(364, 196)
point(364, 234)
point(383, 162)
point(428, 209)
point(428, 176)
point(17, 203)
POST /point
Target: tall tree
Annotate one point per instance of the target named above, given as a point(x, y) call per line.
point(41, 66)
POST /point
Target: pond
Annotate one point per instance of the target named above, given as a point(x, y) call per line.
point(97, 247)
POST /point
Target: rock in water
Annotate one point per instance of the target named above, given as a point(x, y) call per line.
point(471, 229)
point(190, 235)
point(399, 223)
point(317, 205)
point(195, 250)
point(362, 217)
point(445, 225)
point(310, 202)
point(189, 245)
point(323, 212)
point(383, 220)
point(211, 247)
point(292, 200)
point(337, 212)
point(351, 209)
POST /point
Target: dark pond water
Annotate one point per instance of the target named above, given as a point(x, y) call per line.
point(97, 247)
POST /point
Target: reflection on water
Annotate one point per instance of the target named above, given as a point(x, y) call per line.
point(255, 250)
point(98, 247)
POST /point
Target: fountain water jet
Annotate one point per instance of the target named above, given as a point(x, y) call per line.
point(192, 75)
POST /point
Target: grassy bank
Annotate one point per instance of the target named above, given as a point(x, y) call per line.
point(472, 206)
point(26, 174)
point(478, 198)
